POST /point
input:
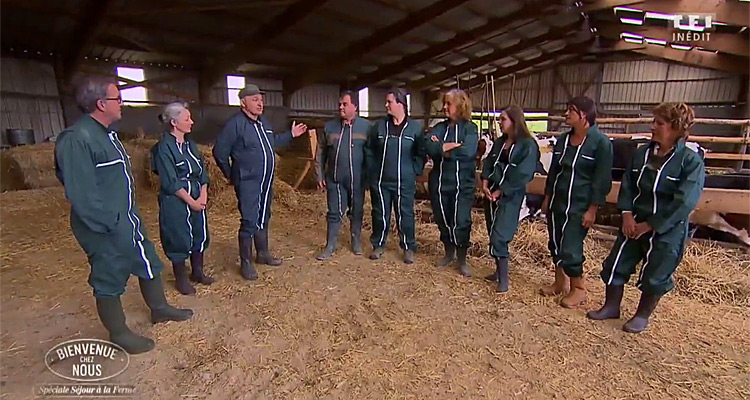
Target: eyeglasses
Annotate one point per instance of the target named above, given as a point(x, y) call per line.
point(117, 99)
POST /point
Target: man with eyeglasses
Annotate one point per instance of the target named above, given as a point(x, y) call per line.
point(94, 168)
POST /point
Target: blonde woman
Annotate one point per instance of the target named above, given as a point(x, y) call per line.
point(452, 146)
point(659, 190)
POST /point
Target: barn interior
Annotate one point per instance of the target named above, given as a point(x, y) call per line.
point(352, 327)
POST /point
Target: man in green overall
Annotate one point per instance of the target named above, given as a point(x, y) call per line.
point(94, 168)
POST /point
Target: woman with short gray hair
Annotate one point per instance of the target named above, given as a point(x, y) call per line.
point(182, 197)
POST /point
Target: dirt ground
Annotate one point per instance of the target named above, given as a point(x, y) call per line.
point(356, 329)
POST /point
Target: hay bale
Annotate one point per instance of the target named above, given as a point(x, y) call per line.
point(29, 167)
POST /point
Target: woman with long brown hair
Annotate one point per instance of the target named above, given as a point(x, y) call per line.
point(452, 145)
point(659, 190)
point(507, 170)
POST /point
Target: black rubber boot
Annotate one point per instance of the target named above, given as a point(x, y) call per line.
point(450, 255)
point(639, 322)
point(356, 228)
point(113, 318)
point(264, 256)
point(502, 274)
point(181, 278)
point(462, 264)
point(153, 292)
point(611, 307)
point(377, 253)
point(333, 237)
point(247, 269)
point(492, 277)
point(197, 275)
point(409, 256)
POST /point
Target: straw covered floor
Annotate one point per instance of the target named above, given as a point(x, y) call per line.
point(352, 328)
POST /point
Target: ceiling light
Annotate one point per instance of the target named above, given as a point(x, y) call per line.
point(680, 47)
point(656, 41)
point(655, 15)
point(630, 40)
point(631, 35)
point(631, 21)
point(628, 9)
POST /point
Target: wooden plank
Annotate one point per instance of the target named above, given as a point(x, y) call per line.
point(696, 139)
point(727, 156)
point(712, 199)
point(647, 120)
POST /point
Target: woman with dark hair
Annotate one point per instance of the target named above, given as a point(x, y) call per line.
point(452, 146)
point(182, 198)
point(659, 190)
point(394, 155)
point(507, 170)
point(578, 182)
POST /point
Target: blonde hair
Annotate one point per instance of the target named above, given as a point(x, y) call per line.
point(679, 116)
point(462, 101)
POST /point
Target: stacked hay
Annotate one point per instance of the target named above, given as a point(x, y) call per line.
point(28, 167)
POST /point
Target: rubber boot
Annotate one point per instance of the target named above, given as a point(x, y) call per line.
point(611, 307)
point(492, 277)
point(153, 292)
point(462, 264)
point(408, 256)
point(639, 322)
point(558, 287)
point(247, 269)
point(577, 295)
point(377, 253)
point(450, 255)
point(333, 235)
point(181, 278)
point(263, 256)
point(113, 318)
point(356, 228)
point(197, 275)
point(503, 280)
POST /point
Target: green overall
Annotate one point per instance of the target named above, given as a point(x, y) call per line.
point(452, 180)
point(395, 157)
point(339, 162)
point(94, 168)
point(579, 176)
point(663, 196)
point(508, 171)
point(180, 166)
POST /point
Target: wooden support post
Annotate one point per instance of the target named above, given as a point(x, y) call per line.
point(204, 87)
point(309, 161)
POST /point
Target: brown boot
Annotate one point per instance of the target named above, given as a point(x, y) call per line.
point(558, 287)
point(577, 295)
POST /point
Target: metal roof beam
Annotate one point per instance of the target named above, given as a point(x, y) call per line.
point(237, 54)
point(83, 36)
point(568, 50)
point(354, 51)
point(552, 34)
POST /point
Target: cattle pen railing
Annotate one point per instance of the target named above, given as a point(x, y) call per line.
point(734, 201)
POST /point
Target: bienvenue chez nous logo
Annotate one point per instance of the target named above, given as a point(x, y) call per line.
point(88, 362)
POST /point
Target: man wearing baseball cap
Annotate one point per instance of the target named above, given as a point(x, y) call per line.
point(244, 151)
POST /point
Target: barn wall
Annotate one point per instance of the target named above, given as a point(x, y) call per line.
point(30, 99)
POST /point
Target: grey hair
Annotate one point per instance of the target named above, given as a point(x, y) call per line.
point(91, 89)
point(171, 112)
